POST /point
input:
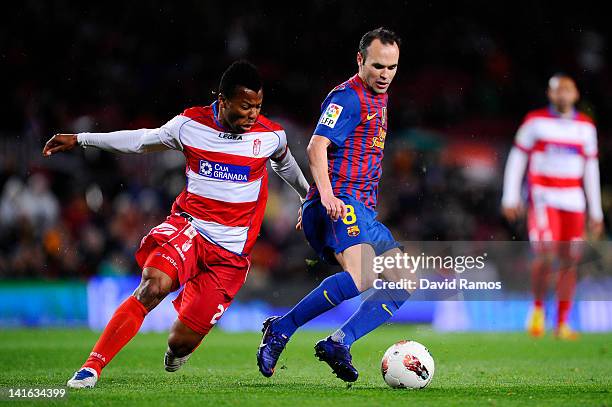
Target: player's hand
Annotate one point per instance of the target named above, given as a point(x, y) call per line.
point(596, 228)
point(336, 209)
point(298, 225)
point(59, 142)
point(512, 213)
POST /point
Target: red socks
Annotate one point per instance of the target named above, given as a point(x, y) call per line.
point(540, 271)
point(566, 287)
point(564, 308)
point(121, 328)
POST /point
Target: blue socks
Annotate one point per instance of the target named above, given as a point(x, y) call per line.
point(331, 292)
point(374, 311)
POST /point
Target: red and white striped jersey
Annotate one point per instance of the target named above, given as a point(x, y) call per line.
point(227, 179)
point(558, 149)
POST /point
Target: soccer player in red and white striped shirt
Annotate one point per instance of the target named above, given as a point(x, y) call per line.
point(205, 242)
point(558, 146)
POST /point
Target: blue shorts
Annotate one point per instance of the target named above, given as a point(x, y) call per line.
point(358, 226)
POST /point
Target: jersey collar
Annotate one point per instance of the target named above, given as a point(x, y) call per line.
point(357, 79)
point(215, 109)
point(555, 113)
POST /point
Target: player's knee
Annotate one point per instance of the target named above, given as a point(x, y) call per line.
point(362, 284)
point(567, 264)
point(153, 288)
point(544, 259)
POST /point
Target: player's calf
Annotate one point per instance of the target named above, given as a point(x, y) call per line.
point(181, 344)
point(123, 326)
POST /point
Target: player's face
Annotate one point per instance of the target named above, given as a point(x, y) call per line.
point(378, 69)
point(562, 93)
point(241, 111)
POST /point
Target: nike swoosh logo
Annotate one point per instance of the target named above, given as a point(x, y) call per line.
point(384, 306)
point(327, 298)
point(371, 116)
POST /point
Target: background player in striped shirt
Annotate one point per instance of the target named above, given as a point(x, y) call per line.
point(558, 145)
point(204, 243)
point(339, 216)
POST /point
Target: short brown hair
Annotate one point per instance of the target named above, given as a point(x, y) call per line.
point(382, 34)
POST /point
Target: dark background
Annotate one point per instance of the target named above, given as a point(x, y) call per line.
point(468, 74)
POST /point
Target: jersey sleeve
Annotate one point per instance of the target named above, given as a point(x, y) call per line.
point(513, 177)
point(341, 113)
point(281, 150)
point(169, 133)
point(590, 146)
point(137, 141)
point(525, 136)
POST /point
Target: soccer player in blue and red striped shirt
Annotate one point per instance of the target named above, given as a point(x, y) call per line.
point(339, 215)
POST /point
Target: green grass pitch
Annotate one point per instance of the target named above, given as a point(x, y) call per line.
point(494, 369)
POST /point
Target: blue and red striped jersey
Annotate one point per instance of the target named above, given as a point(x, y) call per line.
point(354, 119)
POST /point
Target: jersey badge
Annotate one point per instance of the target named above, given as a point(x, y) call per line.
point(379, 141)
point(353, 230)
point(330, 115)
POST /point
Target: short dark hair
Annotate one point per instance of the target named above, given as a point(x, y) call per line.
point(384, 35)
point(239, 73)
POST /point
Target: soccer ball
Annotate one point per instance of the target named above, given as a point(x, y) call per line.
point(407, 364)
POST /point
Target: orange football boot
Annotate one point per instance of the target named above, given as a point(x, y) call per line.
point(536, 323)
point(566, 333)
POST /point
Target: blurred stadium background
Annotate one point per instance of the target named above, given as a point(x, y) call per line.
point(69, 225)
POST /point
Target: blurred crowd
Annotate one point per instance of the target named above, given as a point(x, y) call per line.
point(466, 78)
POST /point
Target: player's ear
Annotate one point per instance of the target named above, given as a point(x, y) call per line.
point(359, 59)
point(222, 100)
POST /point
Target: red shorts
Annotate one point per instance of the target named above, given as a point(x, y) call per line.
point(552, 229)
point(210, 275)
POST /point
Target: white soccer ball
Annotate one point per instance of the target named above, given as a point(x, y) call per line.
point(407, 364)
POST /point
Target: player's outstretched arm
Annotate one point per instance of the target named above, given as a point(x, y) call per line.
point(317, 159)
point(123, 141)
point(59, 142)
